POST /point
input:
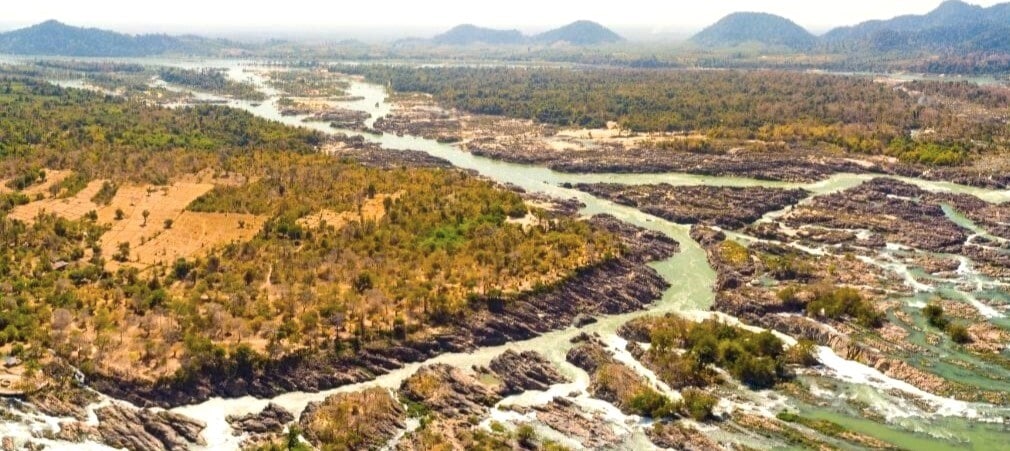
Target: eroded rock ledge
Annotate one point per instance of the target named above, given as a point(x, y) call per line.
point(271, 419)
point(137, 429)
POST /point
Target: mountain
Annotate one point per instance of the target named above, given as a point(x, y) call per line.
point(472, 34)
point(953, 26)
point(55, 38)
point(746, 27)
point(581, 32)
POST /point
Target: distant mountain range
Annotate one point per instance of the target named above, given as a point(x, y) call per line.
point(582, 32)
point(55, 38)
point(954, 26)
point(765, 29)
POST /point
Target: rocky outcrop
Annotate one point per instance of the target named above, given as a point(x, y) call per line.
point(677, 437)
point(592, 430)
point(271, 419)
point(727, 207)
point(524, 371)
point(340, 118)
point(899, 211)
point(367, 419)
point(138, 430)
point(369, 154)
point(449, 392)
point(438, 126)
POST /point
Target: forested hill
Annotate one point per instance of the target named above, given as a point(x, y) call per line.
point(760, 28)
point(582, 32)
point(56, 38)
point(954, 26)
point(472, 34)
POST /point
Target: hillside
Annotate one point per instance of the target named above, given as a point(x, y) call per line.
point(953, 26)
point(472, 34)
point(56, 38)
point(582, 32)
point(761, 28)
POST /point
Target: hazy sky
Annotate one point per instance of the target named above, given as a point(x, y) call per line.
point(412, 16)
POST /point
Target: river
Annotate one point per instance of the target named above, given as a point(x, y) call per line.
point(691, 280)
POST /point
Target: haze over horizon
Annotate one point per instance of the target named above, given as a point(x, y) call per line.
point(400, 18)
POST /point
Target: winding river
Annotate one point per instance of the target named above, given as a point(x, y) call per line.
point(907, 424)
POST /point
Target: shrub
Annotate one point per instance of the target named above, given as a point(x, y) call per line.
point(959, 333)
point(698, 404)
point(934, 315)
point(841, 302)
point(652, 404)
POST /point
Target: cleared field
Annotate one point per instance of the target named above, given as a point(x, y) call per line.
point(191, 234)
point(165, 233)
point(71, 208)
point(52, 178)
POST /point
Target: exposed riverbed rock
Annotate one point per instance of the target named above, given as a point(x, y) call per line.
point(895, 209)
point(678, 437)
point(145, 429)
point(565, 416)
point(727, 207)
point(372, 155)
point(520, 372)
point(367, 419)
point(271, 419)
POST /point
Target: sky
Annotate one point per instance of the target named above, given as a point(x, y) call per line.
point(417, 17)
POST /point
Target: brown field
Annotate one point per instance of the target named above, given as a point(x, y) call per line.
point(52, 178)
point(191, 234)
point(71, 208)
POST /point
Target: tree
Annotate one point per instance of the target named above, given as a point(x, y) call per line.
point(145, 213)
point(119, 214)
point(363, 282)
point(122, 253)
point(168, 224)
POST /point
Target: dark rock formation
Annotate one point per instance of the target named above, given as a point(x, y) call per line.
point(124, 427)
point(271, 419)
point(727, 207)
point(898, 210)
point(524, 371)
point(369, 154)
